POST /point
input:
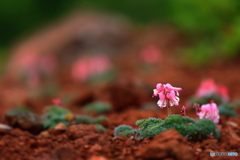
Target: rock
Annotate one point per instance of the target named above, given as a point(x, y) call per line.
point(26, 121)
point(4, 126)
point(60, 126)
point(97, 158)
point(169, 144)
point(64, 153)
point(96, 147)
point(81, 130)
point(44, 133)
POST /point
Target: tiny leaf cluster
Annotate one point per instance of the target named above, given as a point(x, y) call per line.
point(97, 107)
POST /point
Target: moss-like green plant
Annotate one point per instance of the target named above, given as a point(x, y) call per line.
point(84, 119)
point(124, 130)
point(19, 110)
point(55, 111)
point(55, 115)
point(100, 128)
point(228, 109)
point(88, 119)
point(51, 123)
point(143, 123)
point(186, 126)
point(98, 107)
point(99, 119)
point(206, 99)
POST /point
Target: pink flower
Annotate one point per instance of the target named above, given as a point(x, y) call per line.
point(47, 64)
point(167, 94)
point(86, 67)
point(223, 91)
point(57, 101)
point(100, 64)
point(209, 111)
point(150, 54)
point(209, 87)
point(80, 70)
point(33, 65)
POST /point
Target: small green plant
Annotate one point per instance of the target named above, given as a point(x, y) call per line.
point(210, 91)
point(124, 130)
point(207, 98)
point(98, 107)
point(19, 110)
point(100, 128)
point(229, 109)
point(56, 115)
point(89, 120)
point(186, 126)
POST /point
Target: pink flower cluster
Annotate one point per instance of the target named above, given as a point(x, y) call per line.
point(167, 94)
point(57, 101)
point(33, 65)
point(209, 111)
point(90, 66)
point(150, 54)
point(209, 87)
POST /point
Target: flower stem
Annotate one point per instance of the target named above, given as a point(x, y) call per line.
point(169, 109)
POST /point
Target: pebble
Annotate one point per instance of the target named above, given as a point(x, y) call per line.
point(4, 126)
point(60, 126)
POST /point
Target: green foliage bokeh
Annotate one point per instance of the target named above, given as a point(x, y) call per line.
point(212, 27)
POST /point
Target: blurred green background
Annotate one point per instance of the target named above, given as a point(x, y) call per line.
point(211, 28)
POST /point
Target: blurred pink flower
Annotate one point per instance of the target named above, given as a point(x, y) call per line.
point(150, 54)
point(100, 64)
point(33, 65)
point(223, 91)
point(57, 101)
point(47, 64)
point(33, 79)
point(90, 66)
point(167, 94)
point(209, 87)
point(209, 111)
point(80, 70)
point(28, 61)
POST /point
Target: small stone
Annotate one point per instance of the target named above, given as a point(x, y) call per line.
point(86, 146)
point(60, 126)
point(25, 121)
point(199, 150)
point(97, 158)
point(233, 124)
point(96, 147)
point(44, 133)
point(4, 126)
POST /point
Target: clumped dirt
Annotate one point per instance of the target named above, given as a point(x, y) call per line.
point(86, 142)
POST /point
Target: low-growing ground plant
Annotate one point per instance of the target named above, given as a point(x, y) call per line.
point(98, 107)
point(210, 91)
point(57, 114)
point(188, 127)
point(19, 110)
